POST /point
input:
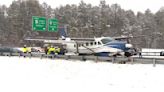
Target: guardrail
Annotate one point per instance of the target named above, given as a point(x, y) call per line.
point(150, 53)
point(122, 60)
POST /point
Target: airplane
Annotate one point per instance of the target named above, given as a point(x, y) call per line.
point(99, 46)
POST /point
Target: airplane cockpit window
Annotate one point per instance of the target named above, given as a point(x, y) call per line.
point(106, 40)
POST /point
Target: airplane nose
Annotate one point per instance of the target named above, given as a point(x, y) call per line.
point(128, 45)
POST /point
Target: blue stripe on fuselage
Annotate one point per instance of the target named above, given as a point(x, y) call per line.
point(118, 45)
point(105, 54)
point(114, 44)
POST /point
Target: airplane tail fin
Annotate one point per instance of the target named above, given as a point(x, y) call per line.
point(63, 32)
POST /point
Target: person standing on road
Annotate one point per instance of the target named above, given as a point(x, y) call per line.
point(51, 50)
point(140, 54)
point(25, 50)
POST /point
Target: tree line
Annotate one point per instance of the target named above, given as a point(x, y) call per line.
point(82, 20)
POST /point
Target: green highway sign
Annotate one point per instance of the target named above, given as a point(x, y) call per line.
point(52, 25)
point(39, 23)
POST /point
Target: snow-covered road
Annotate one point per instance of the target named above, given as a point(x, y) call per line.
point(45, 75)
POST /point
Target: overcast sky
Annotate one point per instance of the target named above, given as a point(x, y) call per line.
point(135, 5)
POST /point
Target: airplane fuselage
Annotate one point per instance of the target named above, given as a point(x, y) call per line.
point(99, 46)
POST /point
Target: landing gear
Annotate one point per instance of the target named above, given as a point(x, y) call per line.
point(131, 52)
point(128, 54)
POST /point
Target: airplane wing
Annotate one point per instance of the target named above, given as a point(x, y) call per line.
point(65, 41)
point(82, 39)
point(126, 37)
point(40, 39)
point(123, 37)
point(33, 39)
point(62, 41)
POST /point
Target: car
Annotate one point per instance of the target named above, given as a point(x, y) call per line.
point(9, 50)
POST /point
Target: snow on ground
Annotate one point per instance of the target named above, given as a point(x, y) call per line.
point(45, 75)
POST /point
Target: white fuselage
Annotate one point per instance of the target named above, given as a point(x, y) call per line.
point(91, 47)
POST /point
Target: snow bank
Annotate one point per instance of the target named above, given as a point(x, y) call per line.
point(45, 75)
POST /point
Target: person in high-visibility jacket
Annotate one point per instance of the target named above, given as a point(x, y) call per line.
point(25, 49)
point(57, 50)
point(51, 50)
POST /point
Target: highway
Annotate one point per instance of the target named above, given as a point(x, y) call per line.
point(121, 60)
